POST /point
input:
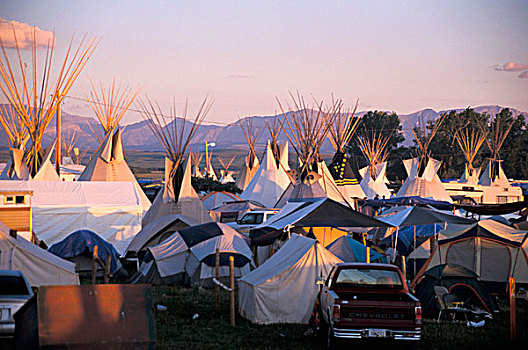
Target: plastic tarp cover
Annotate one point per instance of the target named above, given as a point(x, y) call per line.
point(349, 250)
point(83, 241)
point(283, 289)
point(39, 266)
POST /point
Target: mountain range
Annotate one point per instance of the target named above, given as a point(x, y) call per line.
point(139, 136)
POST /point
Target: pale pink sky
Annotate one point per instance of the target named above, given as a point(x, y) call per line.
point(400, 56)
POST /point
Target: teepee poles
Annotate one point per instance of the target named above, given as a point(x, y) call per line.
point(373, 145)
point(110, 104)
point(252, 135)
point(424, 141)
point(470, 140)
point(37, 100)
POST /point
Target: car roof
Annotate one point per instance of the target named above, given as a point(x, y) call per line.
point(11, 273)
point(366, 265)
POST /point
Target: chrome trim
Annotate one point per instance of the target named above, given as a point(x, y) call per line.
point(391, 334)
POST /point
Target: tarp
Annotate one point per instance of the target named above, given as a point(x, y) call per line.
point(283, 289)
point(412, 216)
point(349, 250)
point(112, 209)
point(40, 267)
point(83, 242)
point(412, 200)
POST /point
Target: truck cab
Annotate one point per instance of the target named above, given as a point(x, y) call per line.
point(252, 219)
point(362, 300)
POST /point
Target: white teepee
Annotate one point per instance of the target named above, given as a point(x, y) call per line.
point(251, 162)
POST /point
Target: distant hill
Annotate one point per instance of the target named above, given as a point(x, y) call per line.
point(138, 136)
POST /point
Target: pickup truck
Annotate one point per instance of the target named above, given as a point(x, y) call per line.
point(251, 219)
point(362, 300)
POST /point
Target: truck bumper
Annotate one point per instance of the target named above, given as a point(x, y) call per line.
point(365, 333)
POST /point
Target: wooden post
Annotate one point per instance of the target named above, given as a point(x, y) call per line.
point(58, 145)
point(217, 265)
point(107, 269)
point(368, 255)
point(404, 268)
point(94, 264)
point(232, 292)
point(513, 325)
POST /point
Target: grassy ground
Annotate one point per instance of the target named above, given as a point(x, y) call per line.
point(211, 330)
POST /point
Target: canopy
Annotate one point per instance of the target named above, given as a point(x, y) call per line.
point(415, 215)
point(321, 212)
point(40, 267)
point(283, 289)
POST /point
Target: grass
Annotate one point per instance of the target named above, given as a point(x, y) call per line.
point(176, 327)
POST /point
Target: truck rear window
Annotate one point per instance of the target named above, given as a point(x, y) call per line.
point(252, 219)
point(365, 277)
point(13, 285)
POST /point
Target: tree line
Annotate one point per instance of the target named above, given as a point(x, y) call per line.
point(444, 147)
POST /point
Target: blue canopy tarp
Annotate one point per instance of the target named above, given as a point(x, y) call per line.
point(349, 250)
point(83, 242)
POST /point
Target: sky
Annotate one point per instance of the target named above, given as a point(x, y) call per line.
point(399, 56)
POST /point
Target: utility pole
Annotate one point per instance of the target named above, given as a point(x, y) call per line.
point(58, 145)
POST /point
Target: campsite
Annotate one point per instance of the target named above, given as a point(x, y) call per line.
point(185, 195)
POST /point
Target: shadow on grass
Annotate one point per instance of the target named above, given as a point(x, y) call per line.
point(211, 330)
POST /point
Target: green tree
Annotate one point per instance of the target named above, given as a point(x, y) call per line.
point(389, 124)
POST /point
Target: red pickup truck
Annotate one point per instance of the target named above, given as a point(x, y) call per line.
point(360, 300)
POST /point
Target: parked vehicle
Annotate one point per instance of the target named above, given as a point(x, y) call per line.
point(361, 300)
point(251, 219)
point(14, 292)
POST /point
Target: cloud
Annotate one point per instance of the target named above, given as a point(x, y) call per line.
point(239, 76)
point(511, 67)
point(24, 34)
point(524, 75)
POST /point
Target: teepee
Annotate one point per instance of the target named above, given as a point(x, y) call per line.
point(251, 162)
point(308, 128)
point(373, 145)
point(422, 178)
point(33, 101)
point(108, 163)
point(341, 132)
point(209, 171)
point(470, 140)
point(177, 196)
point(196, 158)
point(226, 174)
point(17, 136)
point(69, 147)
point(493, 175)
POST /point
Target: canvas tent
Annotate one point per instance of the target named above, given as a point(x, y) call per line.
point(40, 267)
point(156, 232)
point(47, 170)
point(492, 250)
point(79, 249)
point(269, 182)
point(283, 289)
point(226, 176)
point(188, 256)
point(113, 209)
point(423, 183)
point(375, 185)
point(216, 198)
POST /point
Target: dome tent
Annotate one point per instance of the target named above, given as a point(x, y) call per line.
point(188, 256)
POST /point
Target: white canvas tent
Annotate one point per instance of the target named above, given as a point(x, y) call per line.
point(375, 186)
point(283, 289)
point(251, 162)
point(47, 170)
point(109, 164)
point(112, 209)
point(185, 202)
point(40, 267)
point(269, 181)
point(425, 185)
